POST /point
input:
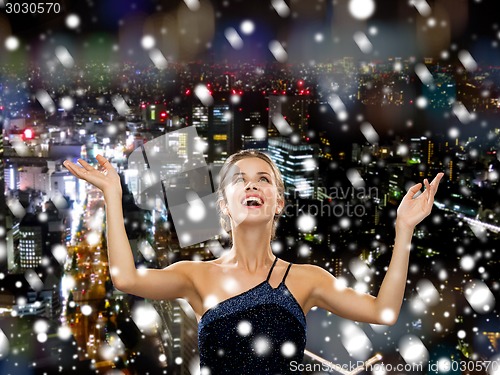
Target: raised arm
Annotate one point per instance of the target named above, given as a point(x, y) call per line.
point(385, 308)
point(168, 283)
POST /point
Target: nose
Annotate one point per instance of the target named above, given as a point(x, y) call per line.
point(250, 185)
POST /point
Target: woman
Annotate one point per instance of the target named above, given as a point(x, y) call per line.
point(250, 305)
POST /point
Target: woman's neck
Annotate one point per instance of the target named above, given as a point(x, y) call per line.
point(251, 249)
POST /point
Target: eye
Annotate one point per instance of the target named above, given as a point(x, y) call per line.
point(238, 179)
point(264, 179)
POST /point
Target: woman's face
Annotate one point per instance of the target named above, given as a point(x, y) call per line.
point(251, 193)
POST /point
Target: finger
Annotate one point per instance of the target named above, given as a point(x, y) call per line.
point(428, 189)
point(105, 164)
point(74, 169)
point(437, 179)
point(412, 191)
point(435, 183)
point(102, 160)
point(67, 163)
point(86, 165)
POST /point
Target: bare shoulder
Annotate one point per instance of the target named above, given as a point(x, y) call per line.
point(310, 271)
point(187, 264)
point(303, 282)
point(312, 277)
point(186, 267)
point(193, 269)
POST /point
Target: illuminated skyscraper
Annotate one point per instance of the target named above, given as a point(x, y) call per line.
point(215, 125)
point(200, 118)
point(256, 137)
point(298, 165)
point(220, 133)
point(31, 245)
point(338, 267)
point(295, 110)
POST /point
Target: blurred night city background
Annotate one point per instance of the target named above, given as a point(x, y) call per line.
point(354, 100)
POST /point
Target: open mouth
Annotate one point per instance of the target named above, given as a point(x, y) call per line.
point(252, 202)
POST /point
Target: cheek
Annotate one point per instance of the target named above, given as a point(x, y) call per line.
point(229, 190)
point(230, 193)
point(271, 194)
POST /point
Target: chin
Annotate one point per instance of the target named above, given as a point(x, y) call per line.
point(255, 221)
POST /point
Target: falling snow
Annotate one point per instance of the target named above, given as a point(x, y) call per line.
point(413, 350)
point(354, 68)
point(363, 42)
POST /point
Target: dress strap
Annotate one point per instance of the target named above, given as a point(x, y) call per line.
point(271, 270)
point(286, 273)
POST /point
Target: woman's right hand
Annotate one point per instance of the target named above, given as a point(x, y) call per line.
point(104, 178)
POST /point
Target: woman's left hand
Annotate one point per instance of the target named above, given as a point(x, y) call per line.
point(412, 211)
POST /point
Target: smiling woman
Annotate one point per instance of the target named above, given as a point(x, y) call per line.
point(250, 304)
point(264, 182)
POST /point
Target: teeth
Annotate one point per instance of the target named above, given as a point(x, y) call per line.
point(253, 199)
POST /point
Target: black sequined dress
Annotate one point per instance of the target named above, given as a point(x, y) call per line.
point(259, 332)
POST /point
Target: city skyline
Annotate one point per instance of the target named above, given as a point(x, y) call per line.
point(336, 240)
point(353, 111)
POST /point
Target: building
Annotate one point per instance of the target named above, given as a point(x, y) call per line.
point(421, 151)
point(189, 338)
point(178, 321)
point(199, 118)
point(45, 303)
point(220, 133)
point(255, 136)
point(294, 109)
point(33, 177)
point(156, 116)
point(396, 179)
point(298, 165)
point(63, 183)
point(26, 244)
point(10, 177)
point(12, 255)
point(3, 204)
point(31, 246)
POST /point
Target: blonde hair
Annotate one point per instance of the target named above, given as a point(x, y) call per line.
point(223, 182)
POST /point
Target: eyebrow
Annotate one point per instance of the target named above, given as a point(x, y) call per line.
point(243, 174)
